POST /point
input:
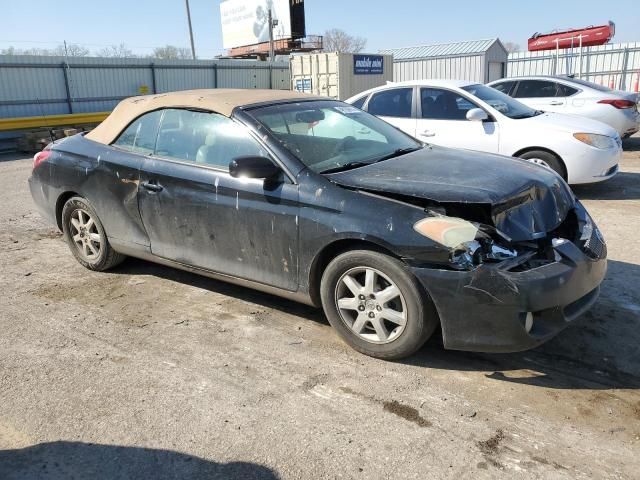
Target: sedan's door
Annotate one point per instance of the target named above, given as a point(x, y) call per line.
point(395, 106)
point(540, 94)
point(442, 120)
point(195, 213)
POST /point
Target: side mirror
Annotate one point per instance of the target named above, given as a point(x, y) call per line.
point(253, 167)
point(477, 115)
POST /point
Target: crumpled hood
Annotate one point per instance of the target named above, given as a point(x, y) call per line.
point(526, 201)
point(569, 123)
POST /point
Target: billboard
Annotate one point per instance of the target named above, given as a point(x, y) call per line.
point(244, 22)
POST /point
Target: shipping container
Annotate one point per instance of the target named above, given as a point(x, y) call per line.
point(339, 75)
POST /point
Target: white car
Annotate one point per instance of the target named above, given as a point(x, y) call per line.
point(576, 97)
point(463, 114)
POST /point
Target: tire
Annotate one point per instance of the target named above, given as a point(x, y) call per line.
point(358, 317)
point(86, 237)
point(549, 158)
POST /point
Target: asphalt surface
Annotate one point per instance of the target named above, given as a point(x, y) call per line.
point(148, 372)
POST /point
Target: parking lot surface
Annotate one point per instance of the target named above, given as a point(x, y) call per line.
point(149, 372)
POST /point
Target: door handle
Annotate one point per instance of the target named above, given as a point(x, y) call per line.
point(152, 187)
point(428, 133)
point(555, 102)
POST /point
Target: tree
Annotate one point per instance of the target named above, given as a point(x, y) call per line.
point(116, 51)
point(170, 52)
point(72, 50)
point(336, 40)
point(511, 47)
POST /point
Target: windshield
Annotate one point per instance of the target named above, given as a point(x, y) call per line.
point(503, 103)
point(329, 136)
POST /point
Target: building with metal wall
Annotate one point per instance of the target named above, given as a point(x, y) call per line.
point(477, 61)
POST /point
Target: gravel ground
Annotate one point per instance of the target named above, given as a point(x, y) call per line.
point(148, 372)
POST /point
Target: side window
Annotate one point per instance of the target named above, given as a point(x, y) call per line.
point(391, 103)
point(444, 105)
point(204, 138)
point(504, 87)
point(359, 103)
point(140, 136)
point(565, 90)
point(535, 89)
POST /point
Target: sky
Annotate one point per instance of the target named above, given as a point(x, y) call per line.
point(144, 24)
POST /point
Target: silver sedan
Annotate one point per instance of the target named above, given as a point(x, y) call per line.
point(564, 94)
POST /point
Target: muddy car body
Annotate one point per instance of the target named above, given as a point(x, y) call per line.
point(392, 237)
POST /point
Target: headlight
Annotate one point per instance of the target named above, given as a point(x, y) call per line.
point(598, 141)
point(469, 243)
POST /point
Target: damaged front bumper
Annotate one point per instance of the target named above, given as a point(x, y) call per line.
point(485, 309)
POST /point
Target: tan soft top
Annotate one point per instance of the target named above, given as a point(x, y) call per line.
point(220, 100)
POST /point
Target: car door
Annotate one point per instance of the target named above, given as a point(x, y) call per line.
point(396, 106)
point(443, 121)
point(197, 214)
point(540, 94)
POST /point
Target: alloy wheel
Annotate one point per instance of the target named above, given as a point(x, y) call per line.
point(371, 305)
point(85, 235)
point(539, 161)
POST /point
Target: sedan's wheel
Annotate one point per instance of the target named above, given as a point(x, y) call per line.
point(545, 159)
point(371, 305)
point(377, 305)
point(86, 237)
point(85, 234)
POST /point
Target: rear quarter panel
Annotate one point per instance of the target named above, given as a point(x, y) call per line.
point(107, 177)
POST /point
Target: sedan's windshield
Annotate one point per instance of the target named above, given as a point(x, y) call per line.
point(329, 136)
point(503, 103)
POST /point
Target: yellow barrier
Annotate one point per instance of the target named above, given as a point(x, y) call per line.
point(21, 123)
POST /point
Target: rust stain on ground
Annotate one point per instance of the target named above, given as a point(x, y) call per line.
point(405, 411)
point(490, 446)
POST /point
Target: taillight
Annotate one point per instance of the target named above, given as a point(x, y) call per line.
point(40, 157)
point(619, 103)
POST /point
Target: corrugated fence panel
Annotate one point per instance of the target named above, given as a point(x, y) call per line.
point(172, 79)
point(35, 85)
point(614, 65)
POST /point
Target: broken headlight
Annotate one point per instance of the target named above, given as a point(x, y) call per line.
point(470, 244)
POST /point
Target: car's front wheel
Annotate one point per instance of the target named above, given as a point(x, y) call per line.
point(546, 159)
point(376, 305)
point(85, 235)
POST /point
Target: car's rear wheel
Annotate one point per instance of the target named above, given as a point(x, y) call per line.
point(376, 305)
point(546, 159)
point(86, 237)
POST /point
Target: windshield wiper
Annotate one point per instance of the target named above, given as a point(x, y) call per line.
point(397, 153)
point(346, 166)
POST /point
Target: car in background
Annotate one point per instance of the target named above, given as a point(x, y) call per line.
point(573, 96)
point(461, 114)
point(317, 201)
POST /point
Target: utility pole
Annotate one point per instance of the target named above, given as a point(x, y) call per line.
point(193, 48)
point(272, 23)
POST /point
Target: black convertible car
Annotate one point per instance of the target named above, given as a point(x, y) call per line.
point(318, 201)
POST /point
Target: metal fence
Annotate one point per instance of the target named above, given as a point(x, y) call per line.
point(615, 65)
point(36, 85)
